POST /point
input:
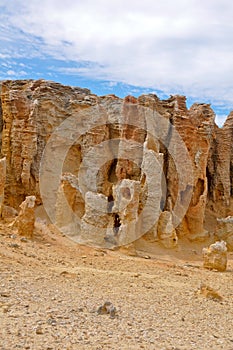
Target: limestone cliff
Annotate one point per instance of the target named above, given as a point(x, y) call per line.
point(128, 164)
point(220, 169)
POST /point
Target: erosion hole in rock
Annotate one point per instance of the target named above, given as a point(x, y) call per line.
point(110, 203)
point(116, 224)
point(112, 172)
point(210, 183)
point(126, 193)
point(127, 169)
point(121, 168)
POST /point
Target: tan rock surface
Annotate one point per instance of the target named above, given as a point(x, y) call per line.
point(25, 221)
point(119, 136)
point(2, 182)
point(215, 256)
point(69, 196)
point(31, 110)
point(225, 231)
point(166, 231)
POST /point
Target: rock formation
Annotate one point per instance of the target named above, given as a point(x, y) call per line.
point(215, 256)
point(111, 170)
point(220, 169)
point(2, 182)
point(25, 221)
point(166, 232)
point(225, 231)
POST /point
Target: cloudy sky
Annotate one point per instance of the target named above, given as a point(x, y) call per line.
point(123, 47)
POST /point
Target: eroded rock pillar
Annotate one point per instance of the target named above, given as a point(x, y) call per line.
point(166, 231)
point(25, 222)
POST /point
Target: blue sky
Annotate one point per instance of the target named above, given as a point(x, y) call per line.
point(123, 47)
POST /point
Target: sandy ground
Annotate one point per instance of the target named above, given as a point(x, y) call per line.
point(51, 288)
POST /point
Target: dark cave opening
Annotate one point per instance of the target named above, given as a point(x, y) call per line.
point(110, 203)
point(112, 172)
point(210, 183)
point(116, 224)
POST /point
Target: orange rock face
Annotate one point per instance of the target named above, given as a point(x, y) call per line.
point(25, 221)
point(2, 182)
point(180, 161)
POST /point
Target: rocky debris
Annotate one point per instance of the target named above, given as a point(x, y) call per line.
point(2, 182)
point(25, 221)
point(225, 231)
point(215, 256)
point(129, 250)
point(39, 330)
point(107, 308)
point(209, 292)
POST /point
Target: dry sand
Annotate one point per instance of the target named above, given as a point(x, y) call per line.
point(51, 288)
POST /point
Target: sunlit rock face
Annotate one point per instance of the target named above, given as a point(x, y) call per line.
point(2, 182)
point(25, 221)
point(215, 256)
point(225, 231)
point(110, 171)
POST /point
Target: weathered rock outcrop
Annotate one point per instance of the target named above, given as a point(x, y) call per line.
point(215, 256)
point(25, 222)
point(2, 182)
point(109, 170)
point(31, 110)
point(166, 232)
point(225, 231)
point(220, 169)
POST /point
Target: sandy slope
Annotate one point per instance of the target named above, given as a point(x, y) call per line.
point(50, 289)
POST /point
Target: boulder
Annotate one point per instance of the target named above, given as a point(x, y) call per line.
point(215, 256)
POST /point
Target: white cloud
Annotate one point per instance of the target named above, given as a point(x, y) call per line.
point(3, 56)
point(11, 72)
point(176, 46)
